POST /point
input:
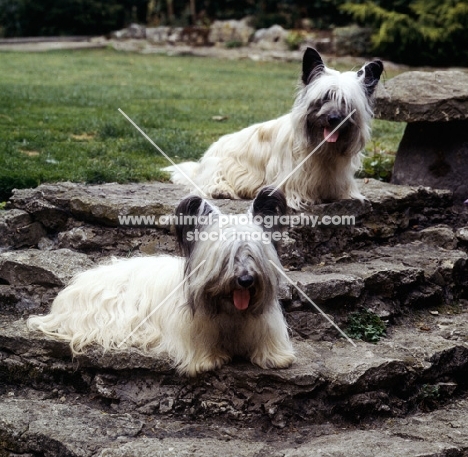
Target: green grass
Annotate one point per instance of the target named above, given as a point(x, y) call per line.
point(59, 118)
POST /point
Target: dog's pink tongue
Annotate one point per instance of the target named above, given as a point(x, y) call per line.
point(241, 298)
point(332, 138)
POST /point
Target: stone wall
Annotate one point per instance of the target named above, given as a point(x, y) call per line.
point(237, 33)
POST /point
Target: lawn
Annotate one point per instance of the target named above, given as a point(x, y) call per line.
point(59, 116)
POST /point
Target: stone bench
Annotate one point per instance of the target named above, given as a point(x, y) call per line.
point(434, 149)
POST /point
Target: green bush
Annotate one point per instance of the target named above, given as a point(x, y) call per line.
point(294, 39)
point(418, 32)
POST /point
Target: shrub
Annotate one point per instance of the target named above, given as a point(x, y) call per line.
point(294, 39)
point(420, 32)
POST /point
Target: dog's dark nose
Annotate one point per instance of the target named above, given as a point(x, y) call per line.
point(334, 119)
point(245, 281)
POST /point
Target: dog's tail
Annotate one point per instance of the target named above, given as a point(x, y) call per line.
point(182, 173)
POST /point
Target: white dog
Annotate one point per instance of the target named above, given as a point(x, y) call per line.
point(217, 302)
point(239, 164)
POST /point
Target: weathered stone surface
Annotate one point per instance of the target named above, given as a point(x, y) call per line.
point(397, 198)
point(332, 386)
point(158, 35)
point(384, 279)
point(52, 204)
point(434, 154)
point(448, 425)
point(24, 300)
point(17, 229)
point(330, 380)
point(349, 375)
point(350, 444)
point(440, 266)
point(418, 96)
point(387, 278)
point(462, 234)
point(433, 151)
point(438, 236)
point(49, 268)
point(79, 212)
point(135, 31)
point(312, 326)
point(205, 447)
point(273, 37)
point(436, 434)
point(100, 240)
point(364, 283)
point(371, 444)
point(54, 429)
point(231, 31)
point(326, 286)
point(151, 38)
point(389, 209)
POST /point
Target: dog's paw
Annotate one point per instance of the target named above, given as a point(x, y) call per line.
point(222, 194)
point(278, 360)
point(208, 363)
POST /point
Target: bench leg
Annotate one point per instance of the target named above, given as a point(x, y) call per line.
point(434, 154)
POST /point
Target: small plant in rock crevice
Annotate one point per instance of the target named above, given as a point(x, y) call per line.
point(366, 326)
point(377, 165)
point(428, 397)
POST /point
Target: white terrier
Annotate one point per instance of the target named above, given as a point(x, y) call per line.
point(274, 152)
point(218, 302)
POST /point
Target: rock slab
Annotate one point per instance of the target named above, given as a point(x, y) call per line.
point(418, 96)
point(434, 149)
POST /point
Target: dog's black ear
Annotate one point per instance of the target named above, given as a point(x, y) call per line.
point(188, 216)
point(269, 205)
point(372, 72)
point(269, 201)
point(312, 65)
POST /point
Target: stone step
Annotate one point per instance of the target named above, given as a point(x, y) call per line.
point(330, 378)
point(86, 218)
point(45, 427)
point(17, 229)
point(385, 280)
point(31, 278)
point(406, 252)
